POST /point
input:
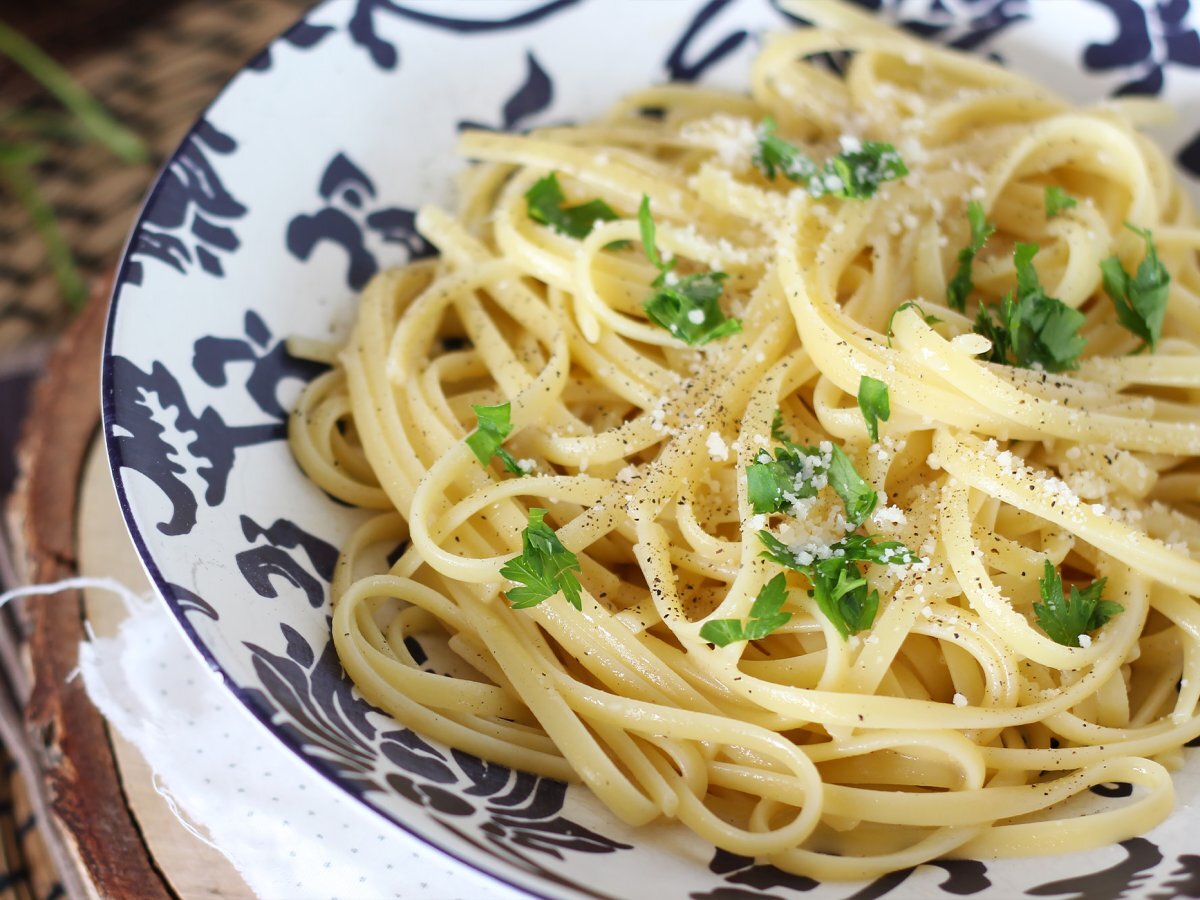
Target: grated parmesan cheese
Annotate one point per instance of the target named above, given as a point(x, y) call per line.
point(717, 448)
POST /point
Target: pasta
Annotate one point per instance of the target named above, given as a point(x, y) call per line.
point(841, 677)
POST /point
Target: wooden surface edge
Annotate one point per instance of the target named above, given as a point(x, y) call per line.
point(193, 867)
point(67, 733)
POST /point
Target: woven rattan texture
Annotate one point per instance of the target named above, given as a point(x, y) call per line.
point(156, 78)
point(156, 69)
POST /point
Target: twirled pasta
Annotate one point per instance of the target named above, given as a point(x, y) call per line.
point(953, 725)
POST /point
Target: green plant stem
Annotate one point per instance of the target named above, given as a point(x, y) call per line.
point(16, 174)
point(54, 78)
point(32, 125)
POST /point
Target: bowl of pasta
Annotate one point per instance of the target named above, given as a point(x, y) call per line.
point(764, 456)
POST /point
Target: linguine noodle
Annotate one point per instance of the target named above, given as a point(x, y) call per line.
point(953, 724)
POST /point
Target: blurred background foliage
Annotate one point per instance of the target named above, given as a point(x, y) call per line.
point(28, 130)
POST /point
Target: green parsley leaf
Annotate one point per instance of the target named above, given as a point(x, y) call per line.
point(1033, 330)
point(779, 552)
point(690, 310)
point(1049, 329)
point(852, 174)
point(649, 243)
point(777, 431)
point(775, 154)
point(838, 584)
point(991, 322)
point(866, 548)
point(492, 426)
point(929, 318)
point(1065, 620)
point(1141, 300)
point(858, 496)
point(544, 204)
point(853, 548)
point(797, 473)
point(1058, 200)
point(723, 632)
point(544, 567)
point(773, 485)
point(875, 404)
point(857, 174)
point(962, 284)
point(687, 307)
point(765, 617)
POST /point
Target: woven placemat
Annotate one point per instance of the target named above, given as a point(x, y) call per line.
point(156, 76)
point(156, 64)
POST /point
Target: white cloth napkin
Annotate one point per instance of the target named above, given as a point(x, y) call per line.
point(287, 831)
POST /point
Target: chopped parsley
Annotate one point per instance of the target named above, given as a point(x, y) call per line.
point(993, 323)
point(857, 174)
point(858, 496)
point(650, 239)
point(493, 425)
point(544, 567)
point(1058, 200)
point(838, 584)
point(690, 311)
point(544, 203)
point(1141, 299)
point(765, 617)
point(687, 307)
point(1065, 620)
point(774, 154)
point(1034, 330)
point(961, 284)
point(875, 404)
point(777, 430)
point(854, 174)
point(796, 473)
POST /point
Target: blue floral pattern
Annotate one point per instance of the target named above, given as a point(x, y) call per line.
point(745, 880)
point(533, 96)
point(519, 815)
point(261, 563)
point(1116, 881)
point(139, 438)
point(687, 62)
point(184, 224)
point(967, 25)
point(1149, 39)
point(345, 221)
point(363, 28)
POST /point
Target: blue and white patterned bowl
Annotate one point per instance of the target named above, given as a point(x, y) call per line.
point(299, 184)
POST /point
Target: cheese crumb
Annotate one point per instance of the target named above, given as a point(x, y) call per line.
point(960, 699)
point(850, 144)
point(889, 515)
point(717, 448)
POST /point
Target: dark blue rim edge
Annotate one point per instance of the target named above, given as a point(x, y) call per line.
point(161, 587)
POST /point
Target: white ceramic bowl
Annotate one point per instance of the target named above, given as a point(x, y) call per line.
point(296, 186)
